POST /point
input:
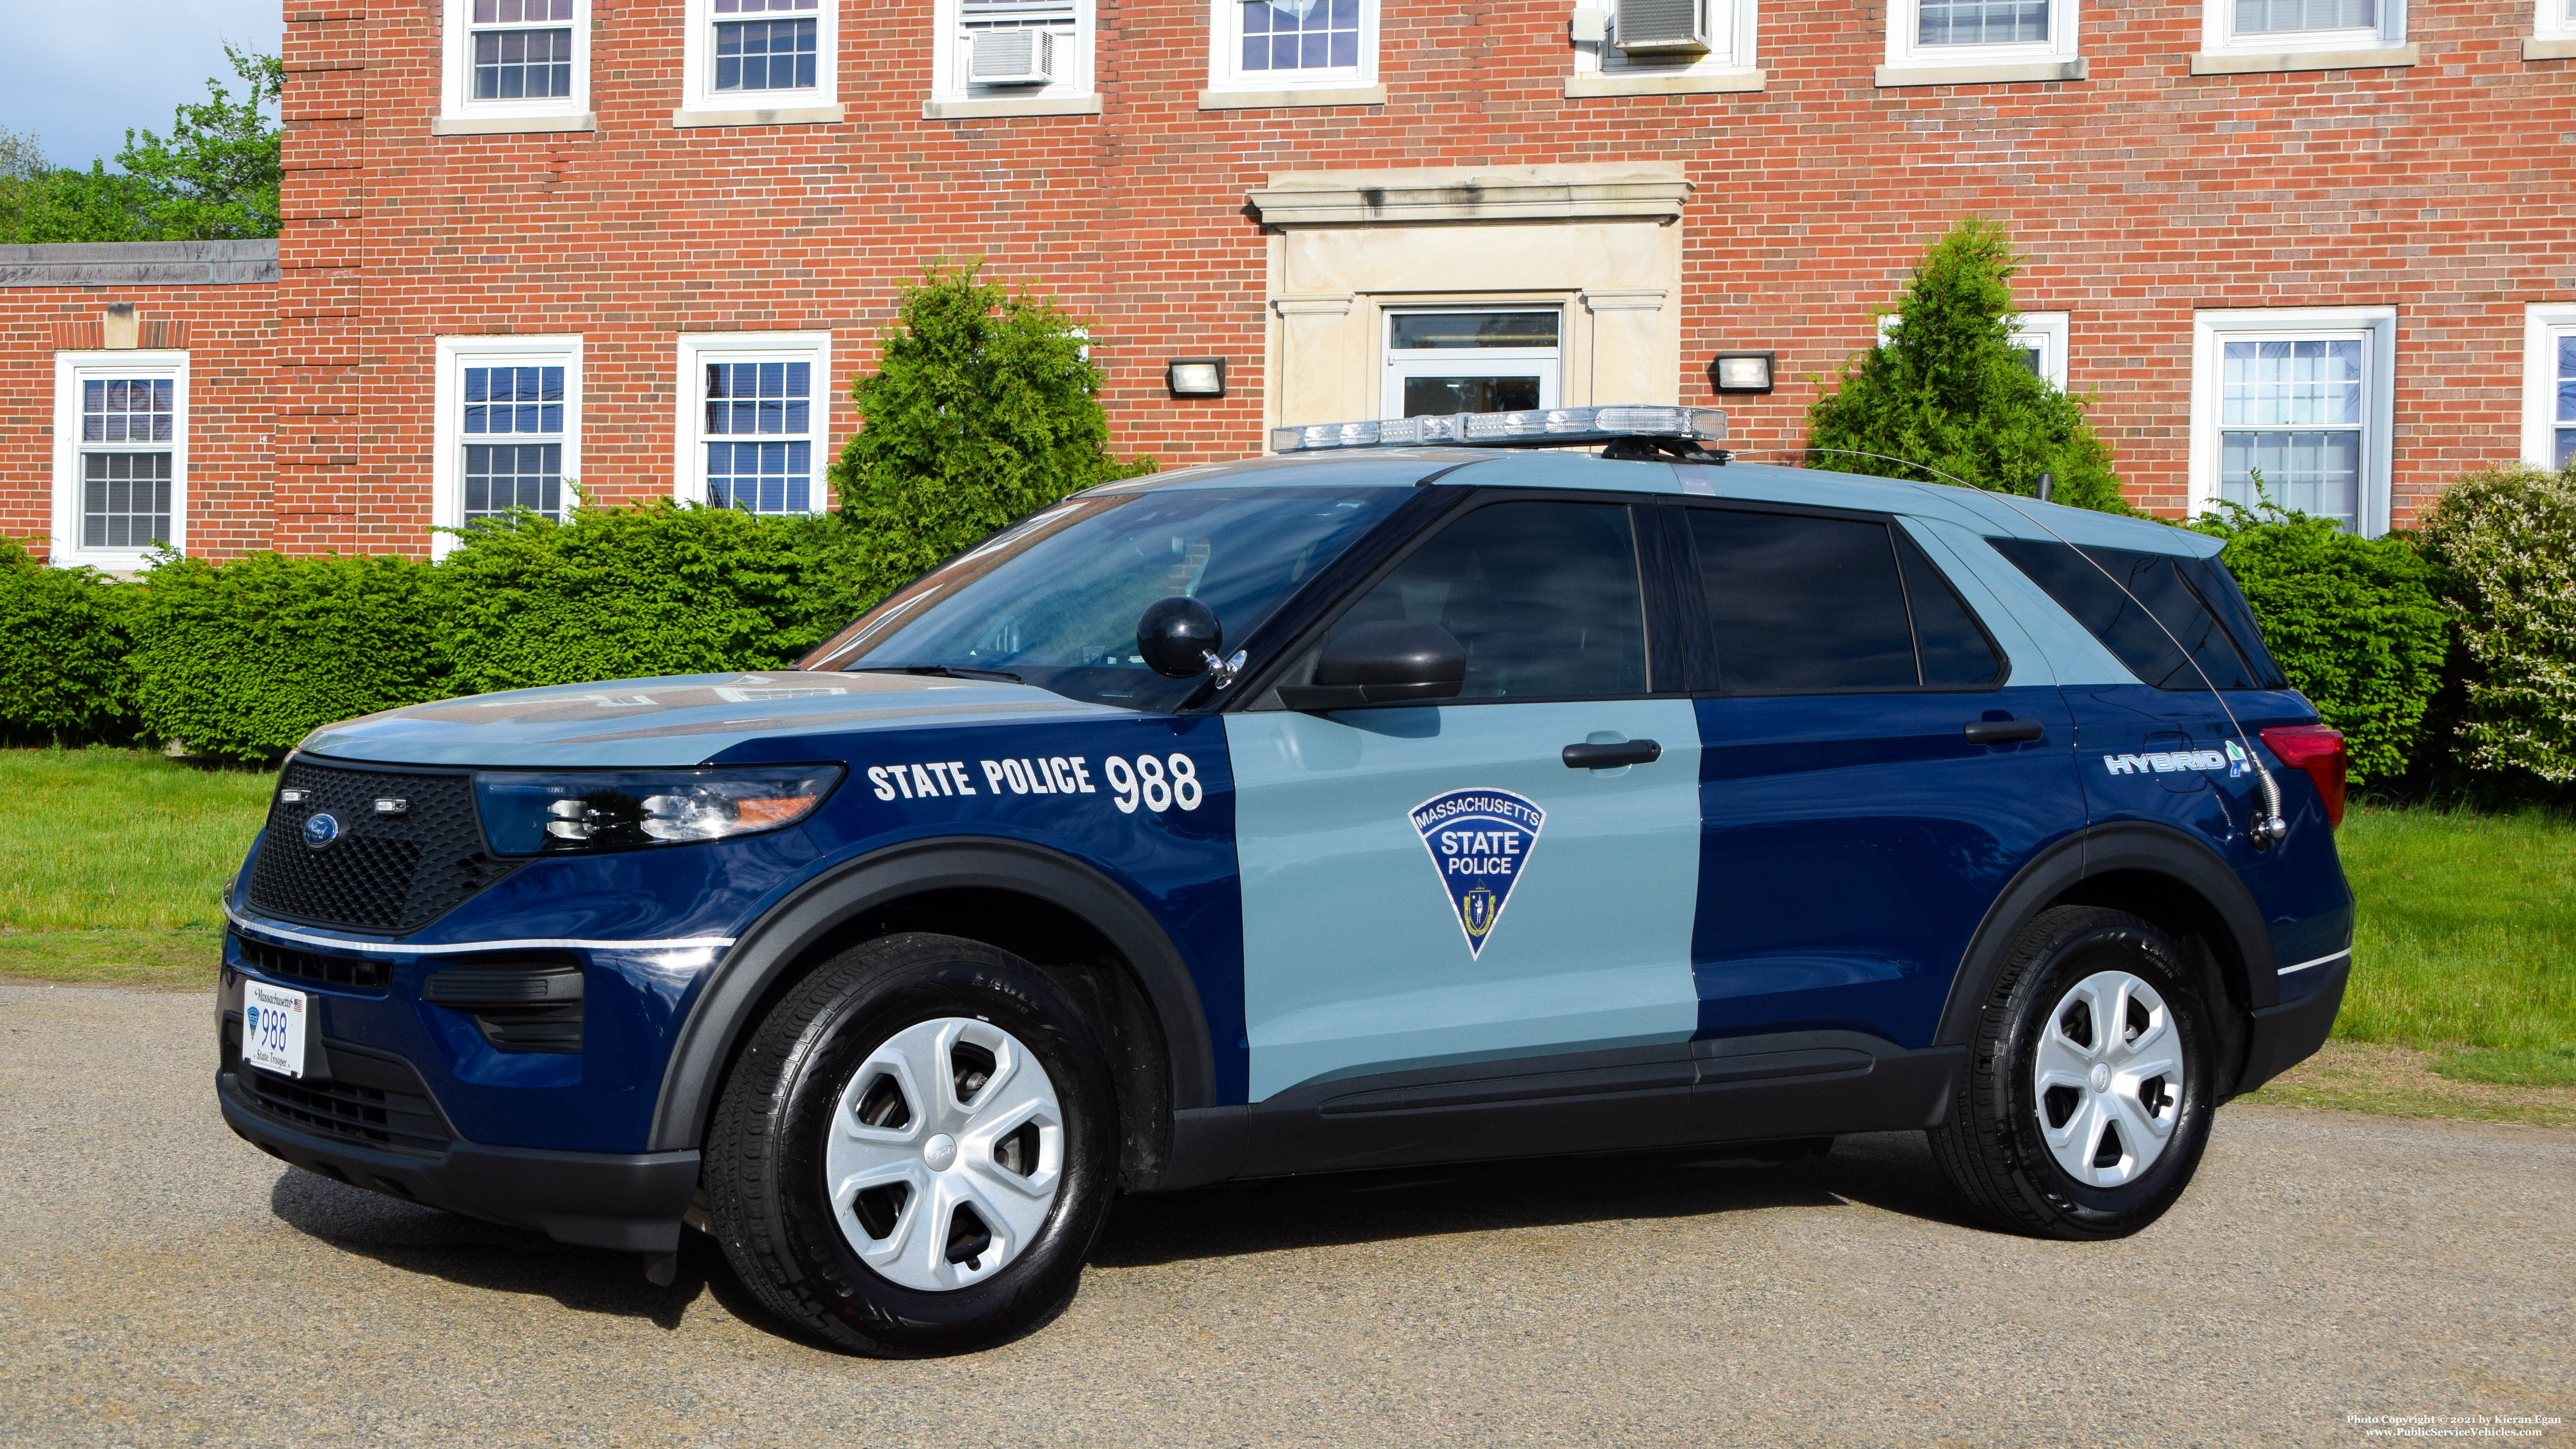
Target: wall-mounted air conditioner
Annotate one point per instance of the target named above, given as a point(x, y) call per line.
point(1661, 27)
point(1021, 57)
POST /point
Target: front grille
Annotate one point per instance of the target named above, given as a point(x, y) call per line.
point(368, 1099)
point(392, 873)
point(359, 972)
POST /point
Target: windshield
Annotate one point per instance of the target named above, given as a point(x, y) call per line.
point(1053, 601)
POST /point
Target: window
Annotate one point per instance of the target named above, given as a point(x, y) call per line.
point(1275, 45)
point(2549, 385)
point(2303, 397)
point(1002, 55)
point(1667, 46)
point(121, 447)
point(516, 65)
point(2553, 31)
point(1948, 42)
point(1543, 595)
point(2040, 338)
point(508, 429)
point(1472, 362)
point(2141, 604)
point(755, 413)
point(1798, 604)
point(759, 62)
point(2272, 26)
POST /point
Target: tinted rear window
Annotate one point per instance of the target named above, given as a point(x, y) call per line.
point(1798, 603)
point(2122, 596)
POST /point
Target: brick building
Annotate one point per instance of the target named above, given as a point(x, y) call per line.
point(646, 243)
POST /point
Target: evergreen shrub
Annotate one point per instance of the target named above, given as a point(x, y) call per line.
point(243, 660)
point(1949, 391)
point(2507, 537)
point(62, 652)
point(984, 408)
point(2357, 624)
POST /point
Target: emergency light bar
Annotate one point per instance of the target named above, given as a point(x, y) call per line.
point(1536, 428)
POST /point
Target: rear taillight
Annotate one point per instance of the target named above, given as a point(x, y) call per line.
point(2317, 750)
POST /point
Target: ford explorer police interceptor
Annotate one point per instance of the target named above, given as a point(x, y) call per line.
point(1411, 795)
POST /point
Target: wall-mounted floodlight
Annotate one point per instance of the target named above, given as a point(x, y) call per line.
point(1196, 377)
point(1742, 371)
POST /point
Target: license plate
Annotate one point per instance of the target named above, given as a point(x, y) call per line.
point(273, 1023)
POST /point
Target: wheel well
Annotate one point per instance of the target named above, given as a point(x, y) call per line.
point(2195, 925)
point(1076, 956)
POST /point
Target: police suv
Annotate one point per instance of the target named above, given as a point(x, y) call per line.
point(1414, 795)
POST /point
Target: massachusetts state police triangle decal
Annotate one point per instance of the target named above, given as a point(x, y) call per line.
point(1481, 842)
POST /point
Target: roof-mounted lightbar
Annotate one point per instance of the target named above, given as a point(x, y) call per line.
point(1664, 429)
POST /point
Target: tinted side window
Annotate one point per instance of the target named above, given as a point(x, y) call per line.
point(1954, 650)
point(2217, 588)
point(1803, 603)
point(2125, 599)
point(1544, 595)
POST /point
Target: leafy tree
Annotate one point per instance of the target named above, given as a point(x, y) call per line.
point(215, 178)
point(983, 409)
point(2507, 536)
point(1948, 390)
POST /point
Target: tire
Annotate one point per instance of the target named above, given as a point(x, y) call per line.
point(916, 1149)
point(2062, 1129)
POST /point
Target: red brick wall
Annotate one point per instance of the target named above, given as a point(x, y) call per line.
point(2140, 195)
point(225, 330)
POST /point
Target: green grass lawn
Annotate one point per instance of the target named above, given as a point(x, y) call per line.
point(111, 862)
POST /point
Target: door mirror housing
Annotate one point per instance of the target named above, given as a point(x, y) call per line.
point(1391, 662)
point(1179, 637)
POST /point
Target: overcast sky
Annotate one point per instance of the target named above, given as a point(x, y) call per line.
point(78, 72)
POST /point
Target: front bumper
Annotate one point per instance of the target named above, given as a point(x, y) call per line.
point(2290, 1033)
point(627, 1201)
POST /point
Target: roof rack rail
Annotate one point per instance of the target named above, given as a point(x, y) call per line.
point(1631, 430)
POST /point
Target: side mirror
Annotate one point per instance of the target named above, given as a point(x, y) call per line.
point(1384, 663)
point(1179, 637)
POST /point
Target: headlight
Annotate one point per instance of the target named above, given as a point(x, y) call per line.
point(543, 812)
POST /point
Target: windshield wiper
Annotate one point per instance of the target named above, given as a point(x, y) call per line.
point(936, 671)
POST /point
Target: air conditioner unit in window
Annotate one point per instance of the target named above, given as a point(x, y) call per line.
point(1661, 27)
point(1022, 57)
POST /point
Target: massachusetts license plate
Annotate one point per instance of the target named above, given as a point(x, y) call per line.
point(273, 1025)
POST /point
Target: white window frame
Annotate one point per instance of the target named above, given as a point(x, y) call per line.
point(690, 435)
point(949, 54)
point(447, 460)
point(71, 369)
point(2376, 326)
point(702, 104)
point(1226, 74)
point(2218, 33)
point(461, 113)
point(1394, 366)
point(1733, 36)
point(2047, 332)
point(2553, 31)
point(1906, 52)
point(2544, 324)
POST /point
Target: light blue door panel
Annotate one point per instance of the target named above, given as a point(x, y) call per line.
point(1355, 957)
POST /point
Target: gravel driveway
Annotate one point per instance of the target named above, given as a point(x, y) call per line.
point(164, 1283)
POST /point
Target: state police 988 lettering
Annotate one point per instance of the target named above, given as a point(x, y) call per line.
point(1156, 782)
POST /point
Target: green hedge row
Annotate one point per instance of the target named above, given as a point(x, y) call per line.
point(244, 659)
point(2449, 653)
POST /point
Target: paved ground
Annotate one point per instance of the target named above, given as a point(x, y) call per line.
point(162, 1283)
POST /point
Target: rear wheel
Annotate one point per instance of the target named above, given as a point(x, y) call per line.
point(2089, 1090)
point(914, 1153)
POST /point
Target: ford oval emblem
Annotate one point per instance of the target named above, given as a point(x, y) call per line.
point(320, 829)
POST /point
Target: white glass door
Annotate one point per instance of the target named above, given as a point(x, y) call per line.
point(1486, 361)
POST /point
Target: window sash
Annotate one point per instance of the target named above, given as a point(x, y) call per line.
point(1942, 23)
point(756, 422)
point(511, 429)
point(2564, 431)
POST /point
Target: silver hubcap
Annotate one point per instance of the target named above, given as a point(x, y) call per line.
point(946, 1154)
point(2108, 1079)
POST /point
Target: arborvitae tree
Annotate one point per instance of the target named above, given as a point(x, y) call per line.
point(983, 409)
point(1948, 390)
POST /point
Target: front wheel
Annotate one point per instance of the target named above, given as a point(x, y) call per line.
point(916, 1150)
point(2088, 1095)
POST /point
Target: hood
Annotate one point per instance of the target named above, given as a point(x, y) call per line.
point(684, 719)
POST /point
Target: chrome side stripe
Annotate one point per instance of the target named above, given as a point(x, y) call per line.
point(2320, 961)
point(301, 938)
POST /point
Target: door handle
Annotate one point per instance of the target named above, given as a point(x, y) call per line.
point(1611, 757)
point(2002, 731)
